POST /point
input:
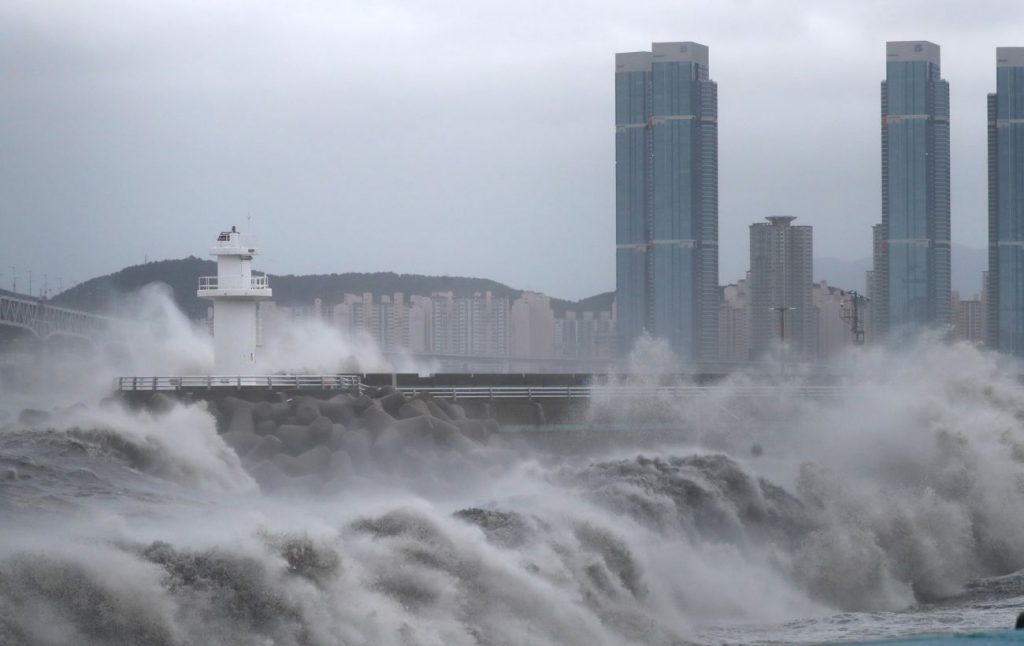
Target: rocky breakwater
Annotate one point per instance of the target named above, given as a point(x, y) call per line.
point(303, 443)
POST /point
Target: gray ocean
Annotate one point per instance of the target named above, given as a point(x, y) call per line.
point(894, 508)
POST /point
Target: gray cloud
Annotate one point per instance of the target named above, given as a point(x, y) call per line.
point(468, 138)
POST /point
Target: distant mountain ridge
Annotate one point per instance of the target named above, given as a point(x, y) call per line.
point(968, 264)
point(102, 294)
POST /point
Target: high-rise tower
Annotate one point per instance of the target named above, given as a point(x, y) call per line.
point(915, 244)
point(666, 177)
point(1005, 283)
point(781, 287)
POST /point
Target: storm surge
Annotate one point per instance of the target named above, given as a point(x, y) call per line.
point(902, 490)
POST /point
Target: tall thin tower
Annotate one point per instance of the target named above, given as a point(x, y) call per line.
point(915, 236)
point(781, 287)
point(235, 293)
point(1005, 284)
point(666, 177)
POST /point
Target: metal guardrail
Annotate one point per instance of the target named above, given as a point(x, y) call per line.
point(269, 382)
point(354, 383)
point(211, 283)
point(591, 392)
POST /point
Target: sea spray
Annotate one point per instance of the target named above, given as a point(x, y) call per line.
point(903, 487)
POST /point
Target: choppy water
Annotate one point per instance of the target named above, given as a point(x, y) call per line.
point(896, 510)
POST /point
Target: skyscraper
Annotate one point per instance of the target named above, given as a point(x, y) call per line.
point(781, 287)
point(915, 252)
point(1005, 282)
point(666, 207)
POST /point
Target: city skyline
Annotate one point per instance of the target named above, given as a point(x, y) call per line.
point(108, 154)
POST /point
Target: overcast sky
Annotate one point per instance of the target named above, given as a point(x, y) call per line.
point(468, 138)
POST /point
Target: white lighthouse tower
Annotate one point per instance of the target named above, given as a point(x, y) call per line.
point(235, 293)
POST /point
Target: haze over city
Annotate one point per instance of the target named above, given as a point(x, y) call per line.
point(465, 140)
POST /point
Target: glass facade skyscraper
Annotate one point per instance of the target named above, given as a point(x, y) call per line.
point(915, 249)
point(666, 177)
point(1005, 283)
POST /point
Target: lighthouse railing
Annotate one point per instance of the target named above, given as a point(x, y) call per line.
point(210, 283)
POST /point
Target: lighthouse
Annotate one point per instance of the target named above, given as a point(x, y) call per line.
point(235, 293)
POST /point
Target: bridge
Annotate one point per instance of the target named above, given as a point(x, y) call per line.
point(44, 320)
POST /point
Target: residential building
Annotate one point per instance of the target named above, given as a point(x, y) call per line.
point(734, 324)
point(587, 335)
point(832, 330)
point(477, 326)
point(1005, 291)
point(915, 245)
point(968, 319)
point(532, 326)
point(781, 280)
point(666, 176)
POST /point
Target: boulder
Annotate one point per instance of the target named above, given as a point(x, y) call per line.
point(229, 404)
point(392, 402)
point(456, 411)
point(294, 438)
point(410, 431)
point(376, 419)
point(361, 402)
point(241, 441)
point(266, 448)
point(337, 436)
point(356, 442)
point(269, 476)
point(320, 430)
point(437, 411)
point(288, 465)
point(160, 403)
point(339, 408)
point(307, 484)
point(475, 429)
point(306, 412)
point(242, 420)
point(315, 460)
point(414, 408)
point(263, 411)
point(448, 436)
point(340, 464)
point(266, 427)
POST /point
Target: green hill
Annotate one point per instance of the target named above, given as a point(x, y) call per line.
point(102, 294)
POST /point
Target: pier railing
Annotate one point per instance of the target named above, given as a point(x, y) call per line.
point(353, 383)
point(592, 392)
point(236, 382)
